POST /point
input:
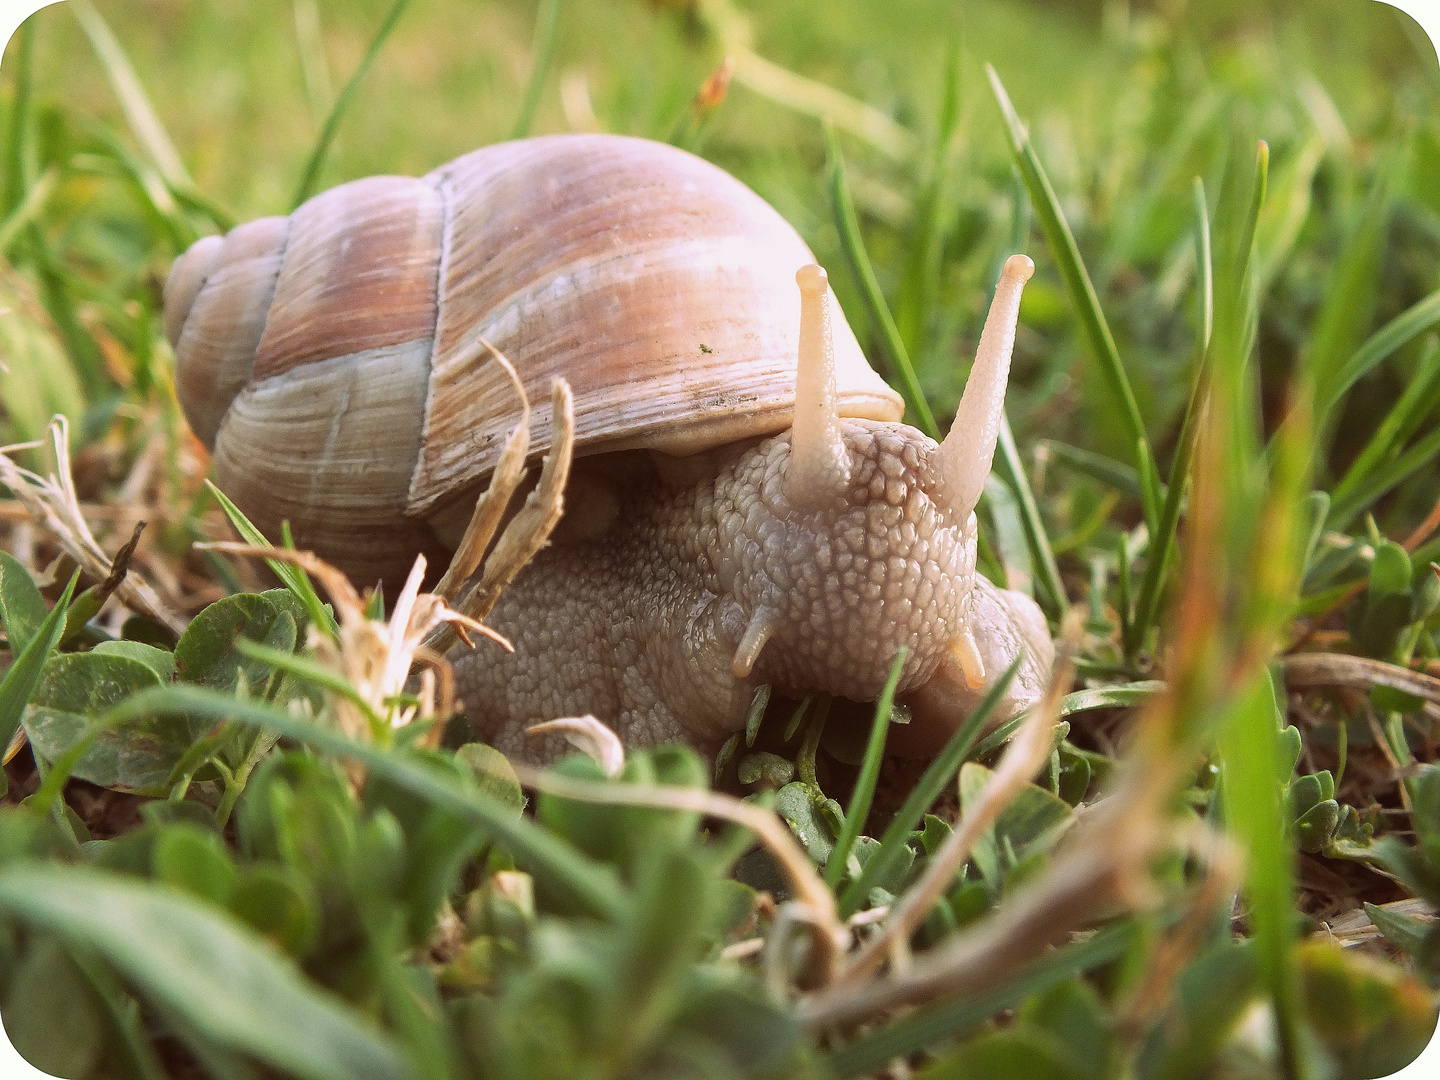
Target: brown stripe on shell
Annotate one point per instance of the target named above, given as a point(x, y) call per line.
point(330, 446)
point(215, 348)
point(359, 274)
point(661, 287)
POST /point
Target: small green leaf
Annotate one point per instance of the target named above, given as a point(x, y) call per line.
point(280, 903)
point(157, 660)
point(22, 608)
point(74, 690)
point(195, 859)
point(1391, 570)
point(799, 805)
point(494, 773)
point(50, 1013)
point(206, 654)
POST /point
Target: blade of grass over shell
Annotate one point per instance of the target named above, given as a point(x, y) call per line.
point(24, 674)
point(848, 226)
point(547, 18)
point(295, 579)
point(940, 772)
point(134, 102)
point(310, 177)
point(1051, 595)
point(1082, 293)
point(550, 860)
point(1415, 320)
point(945, 1020)
point(859, 808)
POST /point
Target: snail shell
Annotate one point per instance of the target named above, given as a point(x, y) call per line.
point(328, 358)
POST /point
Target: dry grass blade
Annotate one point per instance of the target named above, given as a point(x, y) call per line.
point(1027, 754)
point(1103, 868)
point(530, 529)
point(490, 507)
point(52, 502)
point(589, 736)
point(817, 900)
point(1307, 671)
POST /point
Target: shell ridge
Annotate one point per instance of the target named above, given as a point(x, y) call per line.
point(441, 182)
point(274, 287)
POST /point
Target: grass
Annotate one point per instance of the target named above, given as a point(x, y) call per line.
point(1218, 471)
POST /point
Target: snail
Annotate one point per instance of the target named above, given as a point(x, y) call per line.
point(745, 506)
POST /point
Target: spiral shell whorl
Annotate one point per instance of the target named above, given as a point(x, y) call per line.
point(329, 357)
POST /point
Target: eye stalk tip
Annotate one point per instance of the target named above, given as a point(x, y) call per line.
point(1018, 267)
point(812, 280)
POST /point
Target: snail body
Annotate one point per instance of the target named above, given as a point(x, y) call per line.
point(730, 522)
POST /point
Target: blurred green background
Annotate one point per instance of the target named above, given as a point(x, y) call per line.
point(1126, 102)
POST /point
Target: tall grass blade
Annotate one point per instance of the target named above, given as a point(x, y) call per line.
point(1415, 320)
point(1361, 496)
point(922, 270)
point(547, 19)
point(848, 226)
point(1082, 293)
point(1051, 594)
point(1205, 271)
point(295, 579)
point(139, 112)
point(940, 772)
point(1419, 398)
point(859, 808)
point(310, 177)
point(1350, 296)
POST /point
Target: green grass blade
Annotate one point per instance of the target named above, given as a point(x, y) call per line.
point(555, 864)
point(922, 271)
point(940, 772)
point(1415, 320)
point(1098, 467)
point(848, 227)
point(547, 18)
point(1254, 814)
point(139, 112)
point(186, 955)
point(1204, 269)
point(1419, 398)
point(295, 579)
point(859, 808)
point(24, 674)
point(17, 136)
point(30, 206)
point(1082, 292)
point(944, 1020)
point(303, 667)
point(1349, 304)
point(310, 177)
point(1047, 573)
point(1344, 507)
